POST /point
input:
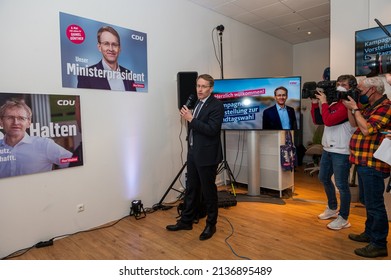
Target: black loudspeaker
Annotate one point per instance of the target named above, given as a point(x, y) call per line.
point(186, 82)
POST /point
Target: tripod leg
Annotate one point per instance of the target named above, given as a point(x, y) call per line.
point(172, 184)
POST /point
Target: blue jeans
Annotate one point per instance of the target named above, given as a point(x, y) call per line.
point(337, 164)
point(371, 182)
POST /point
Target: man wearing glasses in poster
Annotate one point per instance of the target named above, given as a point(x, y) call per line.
point(107, 73)
point(21, 153)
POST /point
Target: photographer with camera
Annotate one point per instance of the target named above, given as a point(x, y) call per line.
point(370, 123)
point(335, 155)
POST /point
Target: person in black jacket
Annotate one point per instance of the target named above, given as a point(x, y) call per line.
point(203, 157)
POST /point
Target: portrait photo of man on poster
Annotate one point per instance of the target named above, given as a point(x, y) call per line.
point(98, 55)
point(39, 133)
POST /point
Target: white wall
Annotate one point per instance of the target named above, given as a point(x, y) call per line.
point(131, 146)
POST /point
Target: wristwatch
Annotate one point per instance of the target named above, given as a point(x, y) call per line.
point(354, 111)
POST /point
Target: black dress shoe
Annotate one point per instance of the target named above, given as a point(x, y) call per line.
point(208, 232)
point(370, 251)
point(362, 237)
point(179, 226)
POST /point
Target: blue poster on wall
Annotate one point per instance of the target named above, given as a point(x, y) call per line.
point(98, 55)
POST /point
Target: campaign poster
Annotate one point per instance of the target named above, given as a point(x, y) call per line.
point(39, 133)
point(100, 55)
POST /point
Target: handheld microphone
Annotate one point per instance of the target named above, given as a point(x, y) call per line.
point(382, 27)
point(191, 101)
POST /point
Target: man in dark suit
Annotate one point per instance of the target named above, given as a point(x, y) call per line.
point(107, 73)
point(203, 157)
point(279, 116)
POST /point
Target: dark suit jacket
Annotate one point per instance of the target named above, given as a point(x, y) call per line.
point(207, 149)
point(102, 83)
point(271, 119)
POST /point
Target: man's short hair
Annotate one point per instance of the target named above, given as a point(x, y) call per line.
point(108, 29)
point(283, 88)
point(208, 78)
point(376, 82)
point(15, 103)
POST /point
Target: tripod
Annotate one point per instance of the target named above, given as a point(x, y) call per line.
point(159, 205)
point(224, 164)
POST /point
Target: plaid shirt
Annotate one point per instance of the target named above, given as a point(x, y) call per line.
point(362, 147)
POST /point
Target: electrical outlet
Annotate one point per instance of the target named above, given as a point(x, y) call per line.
point(80, 208)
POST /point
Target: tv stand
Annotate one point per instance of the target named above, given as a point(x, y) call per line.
point(260, 160)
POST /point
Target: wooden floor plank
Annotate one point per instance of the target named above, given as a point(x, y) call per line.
point(254, 230)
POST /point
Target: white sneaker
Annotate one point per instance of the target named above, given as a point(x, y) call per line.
point(328, 213)
point(339, 223)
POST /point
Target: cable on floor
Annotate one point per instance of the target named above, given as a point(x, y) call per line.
point(229, 236)
point(49, 242)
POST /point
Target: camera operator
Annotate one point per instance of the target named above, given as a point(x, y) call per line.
point(370, 122)
point(335, 155)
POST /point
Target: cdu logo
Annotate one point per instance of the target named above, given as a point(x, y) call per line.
point(66, 102)
point(137, 37)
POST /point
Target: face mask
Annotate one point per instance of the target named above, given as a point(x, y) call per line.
point(364, 99)
point(339, 88)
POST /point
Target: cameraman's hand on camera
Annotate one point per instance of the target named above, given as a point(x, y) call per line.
point(321, 96)
point(350, 104)
point(314, 100)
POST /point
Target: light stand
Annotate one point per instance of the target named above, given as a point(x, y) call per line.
point(224, 164)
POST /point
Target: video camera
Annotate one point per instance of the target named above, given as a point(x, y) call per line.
point(330, 90)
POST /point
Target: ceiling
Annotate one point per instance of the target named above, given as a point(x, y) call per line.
point(294, 21)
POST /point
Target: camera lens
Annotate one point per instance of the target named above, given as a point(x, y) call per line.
point(308, 90)
point(378, 64)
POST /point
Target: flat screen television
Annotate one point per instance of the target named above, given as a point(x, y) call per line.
point(373, 51)
point(245, 100)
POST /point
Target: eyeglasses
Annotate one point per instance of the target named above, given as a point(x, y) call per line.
point(203, 86)
point(108, 45)
point(16, 118)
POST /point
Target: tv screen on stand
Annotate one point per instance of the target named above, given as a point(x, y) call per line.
point(373, 52)
point(246, 99)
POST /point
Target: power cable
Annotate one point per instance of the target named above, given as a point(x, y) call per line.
point(229, 236)
point(49, 242)
point(214, 45)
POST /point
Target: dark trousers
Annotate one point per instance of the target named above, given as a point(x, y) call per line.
point(200, 184)
point(371, 183)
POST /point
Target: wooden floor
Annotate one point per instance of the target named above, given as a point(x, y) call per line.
point(249, 230)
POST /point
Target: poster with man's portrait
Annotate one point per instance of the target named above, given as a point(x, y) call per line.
point(39, 133)
point(98, 55)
